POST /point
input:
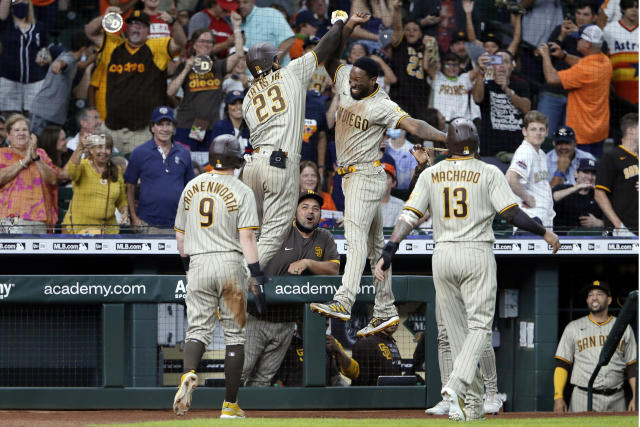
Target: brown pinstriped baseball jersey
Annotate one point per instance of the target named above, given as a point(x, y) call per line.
point(463, 196)
point(212, 208)
point(274, 105)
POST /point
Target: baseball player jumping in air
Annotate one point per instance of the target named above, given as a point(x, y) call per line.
point(215, 226)
point(463, 195)
point(274, 109)
point(364, 114)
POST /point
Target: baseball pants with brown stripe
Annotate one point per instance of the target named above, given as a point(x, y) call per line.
point(276, 191)
point(267, 344)
point(445, 361)
point(363, 191)
point(217, 281)
point(465, 280)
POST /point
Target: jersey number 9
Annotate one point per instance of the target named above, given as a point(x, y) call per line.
point(207, 205)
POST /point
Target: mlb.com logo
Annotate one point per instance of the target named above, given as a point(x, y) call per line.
point(181, 290)
point(5, 289)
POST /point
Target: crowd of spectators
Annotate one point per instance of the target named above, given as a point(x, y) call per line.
point(574, 62)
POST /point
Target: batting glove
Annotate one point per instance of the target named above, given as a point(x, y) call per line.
point(339, 15)
point(388, 252)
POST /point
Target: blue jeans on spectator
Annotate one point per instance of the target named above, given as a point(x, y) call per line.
point(554, 106)
point(594, 148)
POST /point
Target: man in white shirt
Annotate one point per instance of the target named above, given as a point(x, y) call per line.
point(527, 175)
point(89, 122)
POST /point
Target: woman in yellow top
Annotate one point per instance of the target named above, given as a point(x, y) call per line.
point(98, 189)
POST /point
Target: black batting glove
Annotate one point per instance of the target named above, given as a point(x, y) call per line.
point(258, 281)
point(388, 252)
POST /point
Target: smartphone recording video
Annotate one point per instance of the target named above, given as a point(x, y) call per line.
point(495, 59)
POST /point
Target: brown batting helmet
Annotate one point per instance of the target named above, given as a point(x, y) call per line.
point(260, 58)
point(462, 137)
point(225, 152)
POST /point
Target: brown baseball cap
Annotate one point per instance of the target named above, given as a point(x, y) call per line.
point(310, 194)
point(231, 5)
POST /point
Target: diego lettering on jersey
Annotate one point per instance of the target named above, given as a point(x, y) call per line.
point(351, 119)
point(212, 187)
point(207, 81)
point(457, 176)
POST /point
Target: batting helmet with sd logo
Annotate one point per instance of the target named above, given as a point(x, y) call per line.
point(462, 137)
point(225, 153)
point(260, 58)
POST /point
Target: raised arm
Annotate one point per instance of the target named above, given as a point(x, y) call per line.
point(238, 42)
point(332, 59)
point(467, 5)
point(516, 20)
point(396, 23)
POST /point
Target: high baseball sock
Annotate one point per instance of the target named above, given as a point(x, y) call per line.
point(193, 351)
point(233, 361)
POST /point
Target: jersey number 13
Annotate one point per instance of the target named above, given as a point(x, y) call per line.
point(459, 202)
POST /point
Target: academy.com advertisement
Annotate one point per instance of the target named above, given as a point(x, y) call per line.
point(156, 289)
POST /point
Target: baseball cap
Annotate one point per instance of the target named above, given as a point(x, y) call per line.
point(313, 40)
point(310, 194)
point(390, 169)
point(233, 96)
point(597, 284)
point(140, 16)
point(564, 134)
point(491, 37)
point(589, 32)
point(162, 113)
point(385, 38)
point(306, 17)
point(231, 5)
point(459, 36)
point(587, 165)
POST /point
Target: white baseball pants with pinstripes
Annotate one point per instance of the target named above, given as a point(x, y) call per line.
point(276, 191)
point(601, 403)
point(363, 232)
point(217, 281)
point(465, 280)
point(445, 361)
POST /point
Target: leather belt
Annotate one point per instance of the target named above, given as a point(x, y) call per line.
point(353, 168)
point(604, 392)
point(257, 150)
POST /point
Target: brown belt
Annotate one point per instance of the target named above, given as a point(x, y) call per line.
point(349, 169)
point(605, 392)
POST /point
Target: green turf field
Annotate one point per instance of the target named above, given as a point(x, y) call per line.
point(341, 422)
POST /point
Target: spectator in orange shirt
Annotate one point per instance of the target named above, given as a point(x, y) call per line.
point(306, 25)
point(587, 82)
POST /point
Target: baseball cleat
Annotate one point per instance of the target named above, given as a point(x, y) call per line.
point(493, 403)
point(456, 404)
point(182, 400)
point(231, 410)
point(442, 408)
point(331, 309)
point(378, 324)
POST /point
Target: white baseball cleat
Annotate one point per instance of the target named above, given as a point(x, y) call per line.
point(182, 400)
point(442, 408)
point(493, 402)
point(456, 404)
